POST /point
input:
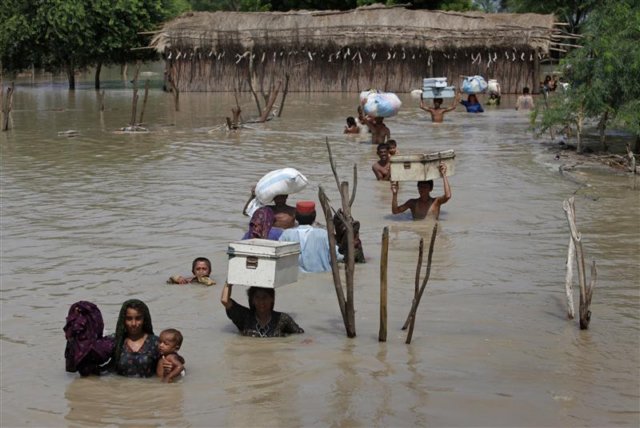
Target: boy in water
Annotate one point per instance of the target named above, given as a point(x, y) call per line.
point(201, 270)
point(169, 343)
point(437, 112)
point(393, 147)
point(425, 205)
point(382, 168)
point(351, 127)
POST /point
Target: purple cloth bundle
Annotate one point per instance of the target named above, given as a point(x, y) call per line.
point(86, 349)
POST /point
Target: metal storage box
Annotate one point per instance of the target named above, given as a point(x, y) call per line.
point(421, 167)
point(448, 92)
point(434, 82)
point(262, 263)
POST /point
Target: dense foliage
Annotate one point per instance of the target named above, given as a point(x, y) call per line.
point(573, 12)
point(72, 34)
point(603, 74)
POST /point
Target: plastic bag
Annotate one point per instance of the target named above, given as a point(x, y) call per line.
point(385, 104)
point(474, 85)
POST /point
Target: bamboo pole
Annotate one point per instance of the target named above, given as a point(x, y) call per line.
point(585, 294)
point(416, 300)
point(384, 259)
point(350, 262)
point(571, 260)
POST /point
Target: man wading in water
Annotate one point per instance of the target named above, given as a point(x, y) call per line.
point(437, 112)
point(425, 205)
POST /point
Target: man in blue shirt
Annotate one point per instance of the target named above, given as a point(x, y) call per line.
point(314, 242)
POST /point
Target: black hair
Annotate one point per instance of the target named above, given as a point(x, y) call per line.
point(382, 146)
point(200, 259)
point(121, 329)
point(438, 100)
point(176, 335)
point(392, 143)
point(525, 90)
point(251, 292)
point(426, 183)
point(351, 121)
point(307, 218)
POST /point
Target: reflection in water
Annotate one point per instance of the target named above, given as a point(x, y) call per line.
point(120, 401)
point(262, 386)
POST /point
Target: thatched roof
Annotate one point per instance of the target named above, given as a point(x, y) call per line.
point(371, 26)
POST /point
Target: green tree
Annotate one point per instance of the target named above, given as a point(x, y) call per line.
point(573, 12)
point(72, 34)
point(603, 74)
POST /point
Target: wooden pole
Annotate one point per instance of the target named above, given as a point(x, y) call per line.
point(144, 100)
point(571, 260)
point(416, 300)
point(101, 95)
point(337, 282)
point(416, 289)
point(384, 259)
point(284, 93)
point(6, 108)
point(350, 262)
point(585, 294)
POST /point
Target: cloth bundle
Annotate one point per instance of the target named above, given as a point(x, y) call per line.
point(494, 87)
point(283, 181)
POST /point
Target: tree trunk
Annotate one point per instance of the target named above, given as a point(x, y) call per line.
point(579, 124)
point(97, 77)
point(602, 126)
point(71, 76)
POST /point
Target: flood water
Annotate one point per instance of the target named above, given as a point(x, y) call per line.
point(106, 217)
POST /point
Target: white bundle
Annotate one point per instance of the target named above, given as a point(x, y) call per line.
point(279, 182)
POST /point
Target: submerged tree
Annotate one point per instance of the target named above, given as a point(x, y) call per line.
point(603, 74)
point(73, 34)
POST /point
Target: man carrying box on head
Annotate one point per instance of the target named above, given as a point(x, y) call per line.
point(424, 205)
point(314, 241)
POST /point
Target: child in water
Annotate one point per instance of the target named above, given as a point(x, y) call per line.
point(393, 147)
point(201, 270)
point(169, 343)
point(351, 127)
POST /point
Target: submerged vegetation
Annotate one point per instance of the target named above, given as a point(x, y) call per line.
point(601, 76)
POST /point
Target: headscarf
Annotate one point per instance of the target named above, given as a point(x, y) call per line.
point(121, 329)
point(86, 348)
point(261, 223)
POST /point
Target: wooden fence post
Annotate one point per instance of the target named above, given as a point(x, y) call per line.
point(384, 259)
point(585, 293)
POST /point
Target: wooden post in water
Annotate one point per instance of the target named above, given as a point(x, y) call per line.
point(144, 100)
point(7, 106)
point(585, 293)
point(346, 303)
point(384, 259)
point(568, 282)
point(416, 299)
point(416, 288)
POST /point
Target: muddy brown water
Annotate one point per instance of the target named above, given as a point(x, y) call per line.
point(106, 217)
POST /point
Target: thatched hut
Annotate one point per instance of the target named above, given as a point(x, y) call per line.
point(389, 48)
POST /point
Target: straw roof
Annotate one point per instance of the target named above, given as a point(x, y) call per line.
point(370, 26)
